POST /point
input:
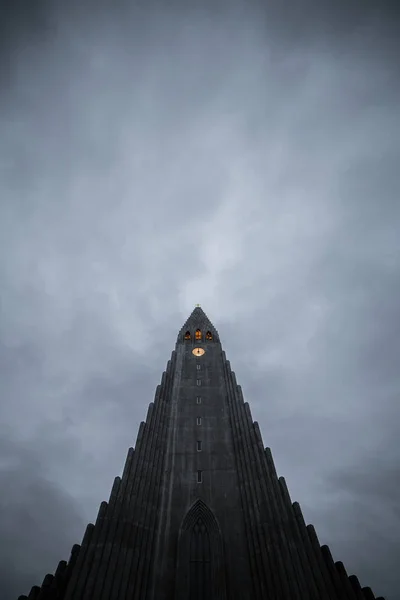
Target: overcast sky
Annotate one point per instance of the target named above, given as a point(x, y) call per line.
point(242, 157)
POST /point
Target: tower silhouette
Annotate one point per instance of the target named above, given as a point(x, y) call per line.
point(199, 512)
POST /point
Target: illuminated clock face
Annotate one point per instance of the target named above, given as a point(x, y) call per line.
point(198, 351)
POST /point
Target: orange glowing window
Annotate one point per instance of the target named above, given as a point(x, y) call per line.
point(187, 335)
point(198, 334)
point(209, 335)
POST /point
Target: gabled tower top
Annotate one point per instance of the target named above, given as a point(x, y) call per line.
point(198, 321)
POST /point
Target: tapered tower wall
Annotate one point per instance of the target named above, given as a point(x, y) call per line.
point(230, 533)
point(201, 377)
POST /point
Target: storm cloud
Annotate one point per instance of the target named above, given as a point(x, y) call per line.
point(242, 156)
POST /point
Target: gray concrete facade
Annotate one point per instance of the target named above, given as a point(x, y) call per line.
point(199, 512)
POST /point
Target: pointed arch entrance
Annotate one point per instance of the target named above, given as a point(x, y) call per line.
point(200, 563)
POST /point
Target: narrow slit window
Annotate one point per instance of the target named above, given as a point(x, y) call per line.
point(198, 420)
point(199, 446)
point(199, 382)
point(198, 399)
point(198, 367)
point(199, 476)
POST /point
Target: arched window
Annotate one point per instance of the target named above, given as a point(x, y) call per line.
point(201, 571)
point(187, 335)
point(209, 335)
point(198, 334)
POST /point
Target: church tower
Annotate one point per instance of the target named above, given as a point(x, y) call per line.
point(199, 512)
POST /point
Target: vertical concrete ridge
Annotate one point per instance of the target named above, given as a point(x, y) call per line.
point(144, 590)
point(114, 494)
point(279, 550)
point(141, 499)
point(304, 574)
point(240, 461)
point(279, 527)
point(99, 540)
point(54, 590)
point(274, 537)
point(368, 593)
point(269, 559)
point(288, 551)
point(123, 527)
point(90, 559)
point(33, 594)
point(356, 587)
point(45, 589)
point(113, 513)
point(135, 514)
point(80, 563)
point(329, 583)
point(348, 592)
point(146, 505)
point(241, 451)
point(162, 529)
point(327, 556)
point(70, 568)
point(323, 590)
point(254, 483)
point(53, 586)
point(276, 544)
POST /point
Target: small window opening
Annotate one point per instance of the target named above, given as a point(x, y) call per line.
point(199, 382)
point(198, 334)
point(199, 476)
point(198, 367)
point(198, 399)
point(209, 335)
point(198, 420)
point(198, 445)
point(187, 335)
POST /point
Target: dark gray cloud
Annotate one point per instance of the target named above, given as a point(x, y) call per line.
point(245, 158)
point(34, 511)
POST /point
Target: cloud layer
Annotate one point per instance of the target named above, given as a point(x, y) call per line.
point(239, 157)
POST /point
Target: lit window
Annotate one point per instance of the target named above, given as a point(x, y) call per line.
point(198, 334)
point(199, 476)
point(209, 335)
point(198, 445)
point(198, 420)
point(198, 399)
point(187, 335)
point(199, 382)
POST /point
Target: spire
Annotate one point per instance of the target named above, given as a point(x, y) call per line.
point(198, 320)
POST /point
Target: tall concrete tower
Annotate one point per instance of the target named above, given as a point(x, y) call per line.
point(199, 512)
